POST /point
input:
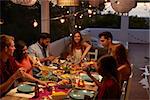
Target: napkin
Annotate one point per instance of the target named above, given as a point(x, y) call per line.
point(14, 92)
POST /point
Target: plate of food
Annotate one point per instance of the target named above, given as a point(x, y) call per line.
point(53, 78)
point(45, 68)
point(85, 77)
point(58, 72)
point(64, 82)
point(52, 83)
point(44, 73)
point(80, 94)
point(26, 88)
point(54, 66)
point(65, 76)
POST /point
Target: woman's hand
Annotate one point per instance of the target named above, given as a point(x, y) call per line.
point(43, 83)
point(19, 73)
point(86, 69)
point(88, 73)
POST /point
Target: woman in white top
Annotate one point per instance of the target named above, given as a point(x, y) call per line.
point(78, 48)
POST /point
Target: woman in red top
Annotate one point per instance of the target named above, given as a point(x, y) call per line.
point(24, 60)
point(22, 57)
point(9, 72)
point(108, 88)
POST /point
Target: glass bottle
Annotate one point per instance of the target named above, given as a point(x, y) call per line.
point(36, 90)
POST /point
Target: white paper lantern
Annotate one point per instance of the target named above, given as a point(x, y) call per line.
point(24, 2)
point(123, 6)
point(68, 2)
point(96, 3)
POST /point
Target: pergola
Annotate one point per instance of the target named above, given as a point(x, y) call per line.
point(121, 6)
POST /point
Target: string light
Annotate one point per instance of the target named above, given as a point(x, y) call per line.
point(62, 20)
point(1, 21)
point(76, 26)
point(94, 13)
point(75, 14)
point(68, 12)
point(81, 16)
point(90, 15)
point(35, 23)
point(89, 11)
point(70, 35)
point(79, 26)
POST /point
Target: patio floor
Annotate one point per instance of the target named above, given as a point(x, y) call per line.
point(137, 52)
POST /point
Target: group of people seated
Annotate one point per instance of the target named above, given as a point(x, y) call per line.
point(114, 68)
point(17, 61)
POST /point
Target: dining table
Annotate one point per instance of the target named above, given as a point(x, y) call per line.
point(65, 82)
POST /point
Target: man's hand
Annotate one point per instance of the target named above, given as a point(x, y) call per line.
point(51, 58)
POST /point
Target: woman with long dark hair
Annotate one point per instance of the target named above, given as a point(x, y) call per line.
point(78, 48)
point(108, 88)
point(123, 65)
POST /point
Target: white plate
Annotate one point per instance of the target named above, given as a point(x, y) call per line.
point(87, 78)
point(79, 94)
point(25, 88)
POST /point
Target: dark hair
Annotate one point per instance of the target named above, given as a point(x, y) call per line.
point(44, 36)
point(73, 34)
point(106, 34)
point(74, 44)
point(121, 55)
point(108, 66)
point(19, 50)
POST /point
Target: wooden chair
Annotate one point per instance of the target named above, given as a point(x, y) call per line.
point(145, 81)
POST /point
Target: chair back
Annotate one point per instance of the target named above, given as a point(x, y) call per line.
point(93, 54)
point(126, 86)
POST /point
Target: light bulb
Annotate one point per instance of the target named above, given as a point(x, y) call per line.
point(90, 15)
point(81, 15)
point(89, 11)
point(67, 12)
point(75, 26)
point(75, 14)
point(79, 26)
point(70, 35)
point(62, 20)
point(94, 13)
point(1, 21)
point(35, 24)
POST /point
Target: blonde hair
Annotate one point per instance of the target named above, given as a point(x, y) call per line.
point(5, 41)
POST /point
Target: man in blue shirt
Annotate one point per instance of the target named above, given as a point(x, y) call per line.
point(40, 49)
